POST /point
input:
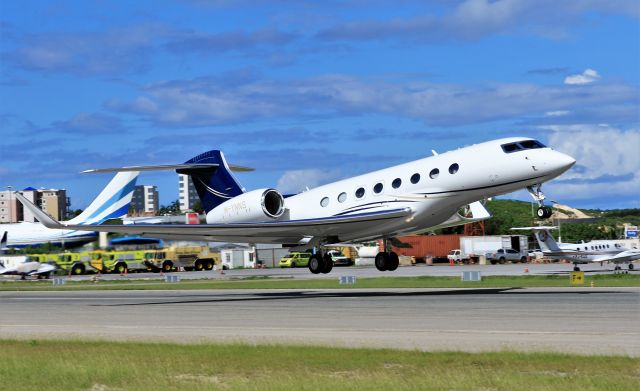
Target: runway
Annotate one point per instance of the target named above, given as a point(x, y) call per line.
point(577, 320)
point(370, 272)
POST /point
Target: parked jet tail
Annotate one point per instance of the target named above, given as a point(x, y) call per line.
point(544, 238)
point(112, 203)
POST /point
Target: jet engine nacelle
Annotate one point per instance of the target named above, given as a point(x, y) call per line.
point(254, 206)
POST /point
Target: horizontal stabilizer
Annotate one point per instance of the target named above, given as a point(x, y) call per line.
point(164, 167)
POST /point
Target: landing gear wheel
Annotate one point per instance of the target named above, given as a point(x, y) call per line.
point(394, 261)
point(617, 267)
point(576, 269)
point(316, 264)
point(328, 264)
point(382, 261)
point(631, 266)
point(544, 212)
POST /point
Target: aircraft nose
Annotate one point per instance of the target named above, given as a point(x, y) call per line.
point(563, 162)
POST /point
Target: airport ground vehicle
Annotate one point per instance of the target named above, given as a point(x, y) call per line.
point(190, 258)
point(474, 247)
point(119, 261)
point(74, 263)
point(295, 259)
point(339, 259)
point(504, 255)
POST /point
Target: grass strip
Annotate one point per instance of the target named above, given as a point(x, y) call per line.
point(84, 365)
point(598, 280)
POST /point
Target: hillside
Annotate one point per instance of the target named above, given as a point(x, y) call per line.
point(609, 223)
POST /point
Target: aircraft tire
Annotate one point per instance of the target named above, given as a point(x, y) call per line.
point(328, 264)
point(381, 261)
point(631, 266)
point(394, 261)
point(316, 264)
point(576, 269)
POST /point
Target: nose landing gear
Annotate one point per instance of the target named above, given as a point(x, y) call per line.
point(543, 212)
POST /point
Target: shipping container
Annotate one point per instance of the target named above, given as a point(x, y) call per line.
point(423, 247)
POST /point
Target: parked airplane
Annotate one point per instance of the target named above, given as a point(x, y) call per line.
point(112, 202)
point(413, 197)
point(24, 265)
point(580, 253)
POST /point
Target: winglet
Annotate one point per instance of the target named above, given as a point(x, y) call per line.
point(44, 218)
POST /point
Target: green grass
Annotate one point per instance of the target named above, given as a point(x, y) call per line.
point(80, 365)
point(599, 280)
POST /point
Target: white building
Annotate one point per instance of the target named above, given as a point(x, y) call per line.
point(187, 194)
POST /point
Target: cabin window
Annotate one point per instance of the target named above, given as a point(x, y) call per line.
point(396, 183)
point(360, 192)
point(434, 173)
point(454, 168)
point(415, 178)
point(324, 202)
point(378, 188)
point(342, 197)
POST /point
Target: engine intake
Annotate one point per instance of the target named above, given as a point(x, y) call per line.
point(254, 206)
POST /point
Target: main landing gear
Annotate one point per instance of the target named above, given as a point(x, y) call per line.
point(576, 268)
point(543, 212)
point(387, 261)
point(320, 263)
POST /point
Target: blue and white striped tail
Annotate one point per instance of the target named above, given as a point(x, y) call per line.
point(112, 203)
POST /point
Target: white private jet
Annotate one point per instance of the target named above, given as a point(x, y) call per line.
point(23, 266)
point(413, 197)
point(581, 253)
point(112, 202)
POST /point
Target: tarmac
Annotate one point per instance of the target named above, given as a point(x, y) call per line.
point(370, 271)
point(572, 320)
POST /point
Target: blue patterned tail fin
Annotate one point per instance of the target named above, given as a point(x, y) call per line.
point(214, 185)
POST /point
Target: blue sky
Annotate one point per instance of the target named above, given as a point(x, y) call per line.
point(311, 92)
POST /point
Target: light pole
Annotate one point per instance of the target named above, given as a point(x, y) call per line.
point(10, 207)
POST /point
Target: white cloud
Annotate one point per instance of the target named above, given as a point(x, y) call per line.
point(588, 76)
point(298, 180)
point(607, 161)
point(556, 113)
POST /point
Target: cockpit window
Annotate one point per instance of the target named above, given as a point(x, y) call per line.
point(522, 145)
point(531, 144)
point(512, 147)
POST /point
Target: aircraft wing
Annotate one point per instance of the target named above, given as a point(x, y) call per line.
point(622, 257)
point(43, 268)
point(289, 231)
